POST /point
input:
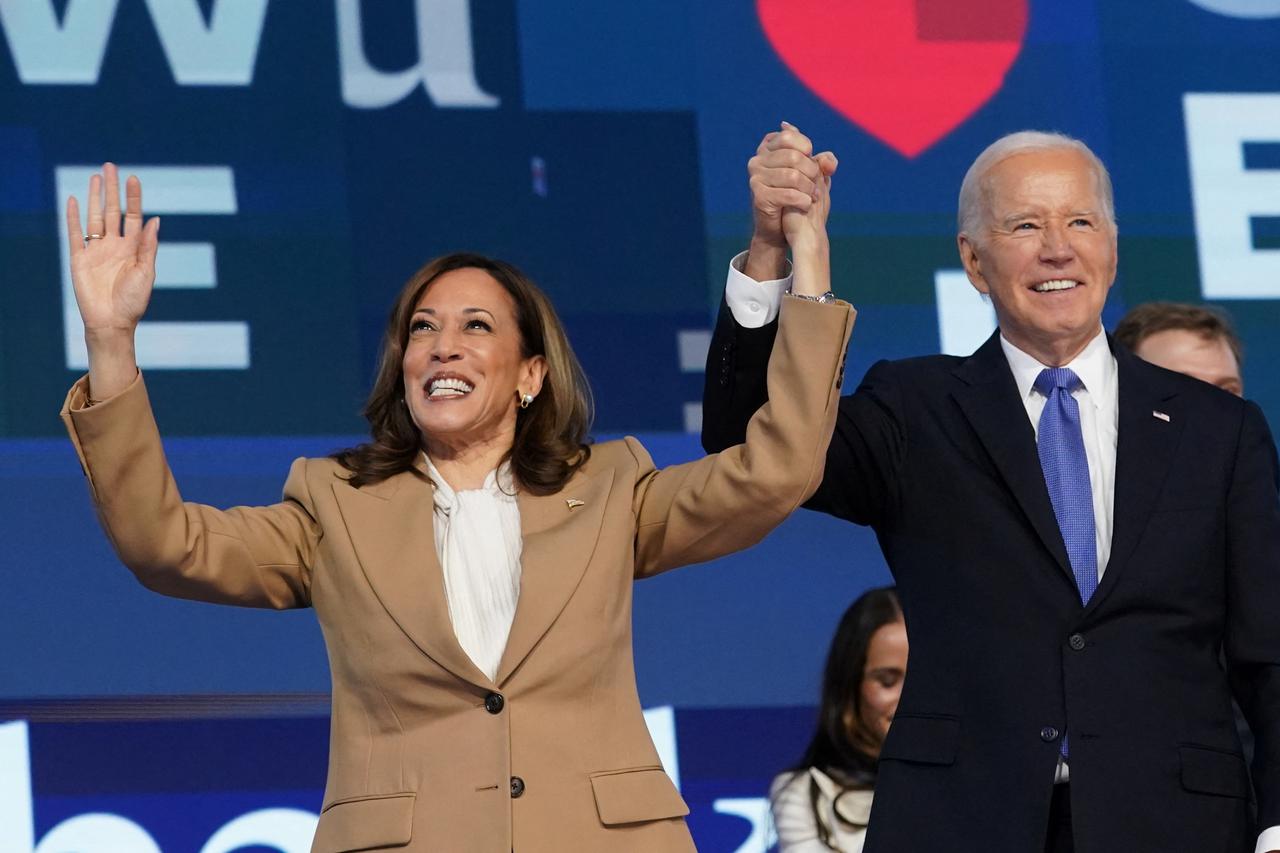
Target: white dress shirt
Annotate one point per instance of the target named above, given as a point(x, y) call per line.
point(755, 303)
point(479, 544)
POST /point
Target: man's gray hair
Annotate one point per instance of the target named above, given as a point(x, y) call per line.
point(973, 188)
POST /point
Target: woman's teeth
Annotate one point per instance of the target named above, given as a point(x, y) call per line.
point(448, 387)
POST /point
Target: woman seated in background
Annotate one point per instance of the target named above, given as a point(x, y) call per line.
point(471, 566)
point(824, 802)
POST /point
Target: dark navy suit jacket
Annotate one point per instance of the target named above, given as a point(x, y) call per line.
point(938, 456)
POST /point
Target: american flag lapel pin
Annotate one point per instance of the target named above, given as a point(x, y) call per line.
point(1161, 415)
point(574, 503)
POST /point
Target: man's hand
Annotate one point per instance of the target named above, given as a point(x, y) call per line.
point(782, 174)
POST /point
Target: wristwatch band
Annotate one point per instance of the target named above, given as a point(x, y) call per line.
point(825, 298)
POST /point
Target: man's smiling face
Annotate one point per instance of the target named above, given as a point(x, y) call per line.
point(1045, 251)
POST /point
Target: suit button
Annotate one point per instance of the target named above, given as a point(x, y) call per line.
point(1076, 641)
point(517, 787)
point(1047, 734)
point(494, 702)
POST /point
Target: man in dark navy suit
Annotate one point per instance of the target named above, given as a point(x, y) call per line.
point(1075, 534)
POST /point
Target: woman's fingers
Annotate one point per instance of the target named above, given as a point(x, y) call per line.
point(132, 206)
point(95, 225)
point(75, 237)
point(112, 218)
point(149, 241)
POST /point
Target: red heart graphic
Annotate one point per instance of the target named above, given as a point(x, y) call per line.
point(906, 71)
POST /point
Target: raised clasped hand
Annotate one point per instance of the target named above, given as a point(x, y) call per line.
point(790, 188)
point(113, 261)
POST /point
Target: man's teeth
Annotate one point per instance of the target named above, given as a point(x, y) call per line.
point(448, 387)
point(1056, 284)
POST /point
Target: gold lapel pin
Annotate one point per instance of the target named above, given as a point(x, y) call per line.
point(574, 503)
point(1162, 416)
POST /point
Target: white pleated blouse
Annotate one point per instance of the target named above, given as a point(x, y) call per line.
point(479, 544)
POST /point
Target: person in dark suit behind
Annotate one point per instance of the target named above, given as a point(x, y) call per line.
point(1074, 532)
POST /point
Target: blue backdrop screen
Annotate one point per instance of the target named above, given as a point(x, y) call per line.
point(307, 158)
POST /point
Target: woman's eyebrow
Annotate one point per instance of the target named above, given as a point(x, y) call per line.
point(432, 312)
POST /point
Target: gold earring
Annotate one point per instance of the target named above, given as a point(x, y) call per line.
point(525, 400)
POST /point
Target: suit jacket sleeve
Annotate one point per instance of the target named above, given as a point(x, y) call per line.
point(869, 440)
point(728, 501)
point(734, 384)
point(251, 556)
point(1252, 643)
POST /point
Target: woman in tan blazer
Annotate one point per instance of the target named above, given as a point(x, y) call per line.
point(484, 695)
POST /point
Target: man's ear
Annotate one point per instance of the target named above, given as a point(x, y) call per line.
point(972, 265)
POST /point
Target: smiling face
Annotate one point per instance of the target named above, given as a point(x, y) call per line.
point(464, 367)
point(1045, 252)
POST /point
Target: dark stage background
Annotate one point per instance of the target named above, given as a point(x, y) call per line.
point(307, 157)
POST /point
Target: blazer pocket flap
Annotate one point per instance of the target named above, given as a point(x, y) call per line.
point(1213, 771)
point(632, 796)
point(926, 740)
point(366, 823)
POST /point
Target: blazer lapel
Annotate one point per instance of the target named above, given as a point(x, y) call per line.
point(989, 399)
point(560, 533)
point(392, 530)
point(1145, 447)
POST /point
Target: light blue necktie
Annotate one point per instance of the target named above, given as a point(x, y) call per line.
point(1066, 473)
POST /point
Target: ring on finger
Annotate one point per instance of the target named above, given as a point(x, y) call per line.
point(89, 237)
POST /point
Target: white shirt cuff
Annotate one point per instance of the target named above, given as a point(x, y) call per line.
point(1269, 840)
point(753, 303)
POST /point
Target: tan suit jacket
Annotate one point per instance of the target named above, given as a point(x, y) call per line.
point(425, 750)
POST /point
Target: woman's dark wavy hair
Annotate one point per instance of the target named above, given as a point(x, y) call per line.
point(551, 440)
point(848, 757)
